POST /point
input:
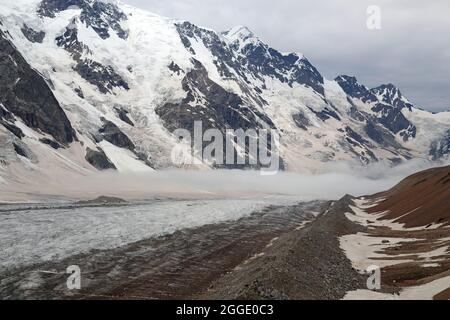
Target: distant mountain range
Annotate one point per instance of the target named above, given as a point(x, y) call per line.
point(88, 85)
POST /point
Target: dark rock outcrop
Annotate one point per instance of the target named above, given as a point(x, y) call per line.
point(351, 87)
point(5, 114)
point(224, 56)
point(123, 115)
point(7, 120)
point(23, 150)
point(111, 133)
point(380, 135)
point(24, 93)
point(20, 150)
point(99, 160)
point(175, 68)
point(103, 77)
point(260, 59)
point(356, 136)
point(256, 58)
point(144, 157)
point(32, 35)
point(391, 95)
point(286, 68)
point(393, 119)
point(13, 129)
point(79, 92)
point(223, 109)
point(326, 114)
point(55, 145)
point(301, 120)
point(213, 106)
point(99, 15)
point(388, 103)
point(69, 42)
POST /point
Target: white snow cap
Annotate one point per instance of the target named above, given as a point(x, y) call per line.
point(239, 33)
point(115, 2)
point(240, 36)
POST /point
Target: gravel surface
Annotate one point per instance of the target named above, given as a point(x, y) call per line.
point(303, 264)
point(182, 265)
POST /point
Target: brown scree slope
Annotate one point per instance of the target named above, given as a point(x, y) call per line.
point(420, 200)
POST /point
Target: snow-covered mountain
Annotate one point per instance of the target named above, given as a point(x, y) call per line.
point(89, 85)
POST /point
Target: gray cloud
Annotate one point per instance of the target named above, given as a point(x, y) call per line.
point(411, 50)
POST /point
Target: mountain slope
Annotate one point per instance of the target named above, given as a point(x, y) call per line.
point(115, 68)
point(407, 236)
point(429, 206)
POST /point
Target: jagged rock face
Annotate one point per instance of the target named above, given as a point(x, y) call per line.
point(391, 107)
point(123, 115)
point(351, 87)
point(111, 133)
point(32, 35)
point(326, 114)
point(286, 68)
point(212, 105)
point(255, 58)
point(175, 68)
point(393, 119)
point(355, 136)
point(103, 77)
point(98, 15)
point(301, 121)
point(99, 160)
point(375, 133)
point(391, 95)
point(359, 146)
point(305, 73)
point(208, 102)
point(7, 120)
point(13, 129)
point(387, 102)
point(260, 59)
point(21, 149)
point(55, 145)
point(25, 94)
point(5, 114)
point(441, 148)
point(224, 61)
point(379, 134)
point(69, 41)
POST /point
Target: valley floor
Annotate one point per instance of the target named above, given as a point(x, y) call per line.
point(181, 263)
point(302, 251)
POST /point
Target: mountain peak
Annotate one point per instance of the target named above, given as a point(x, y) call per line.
point(347, 81)
point(388, 87)
point(389, 93)
point(240, 36)
point(226, 80)
point(239, 33)
point(346, 78)
point(354, 89)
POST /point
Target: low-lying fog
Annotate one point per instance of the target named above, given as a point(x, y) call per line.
point(336, 183)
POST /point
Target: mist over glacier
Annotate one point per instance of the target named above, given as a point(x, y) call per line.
point(210, 184)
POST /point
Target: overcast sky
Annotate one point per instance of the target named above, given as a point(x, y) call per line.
point(412, 49)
